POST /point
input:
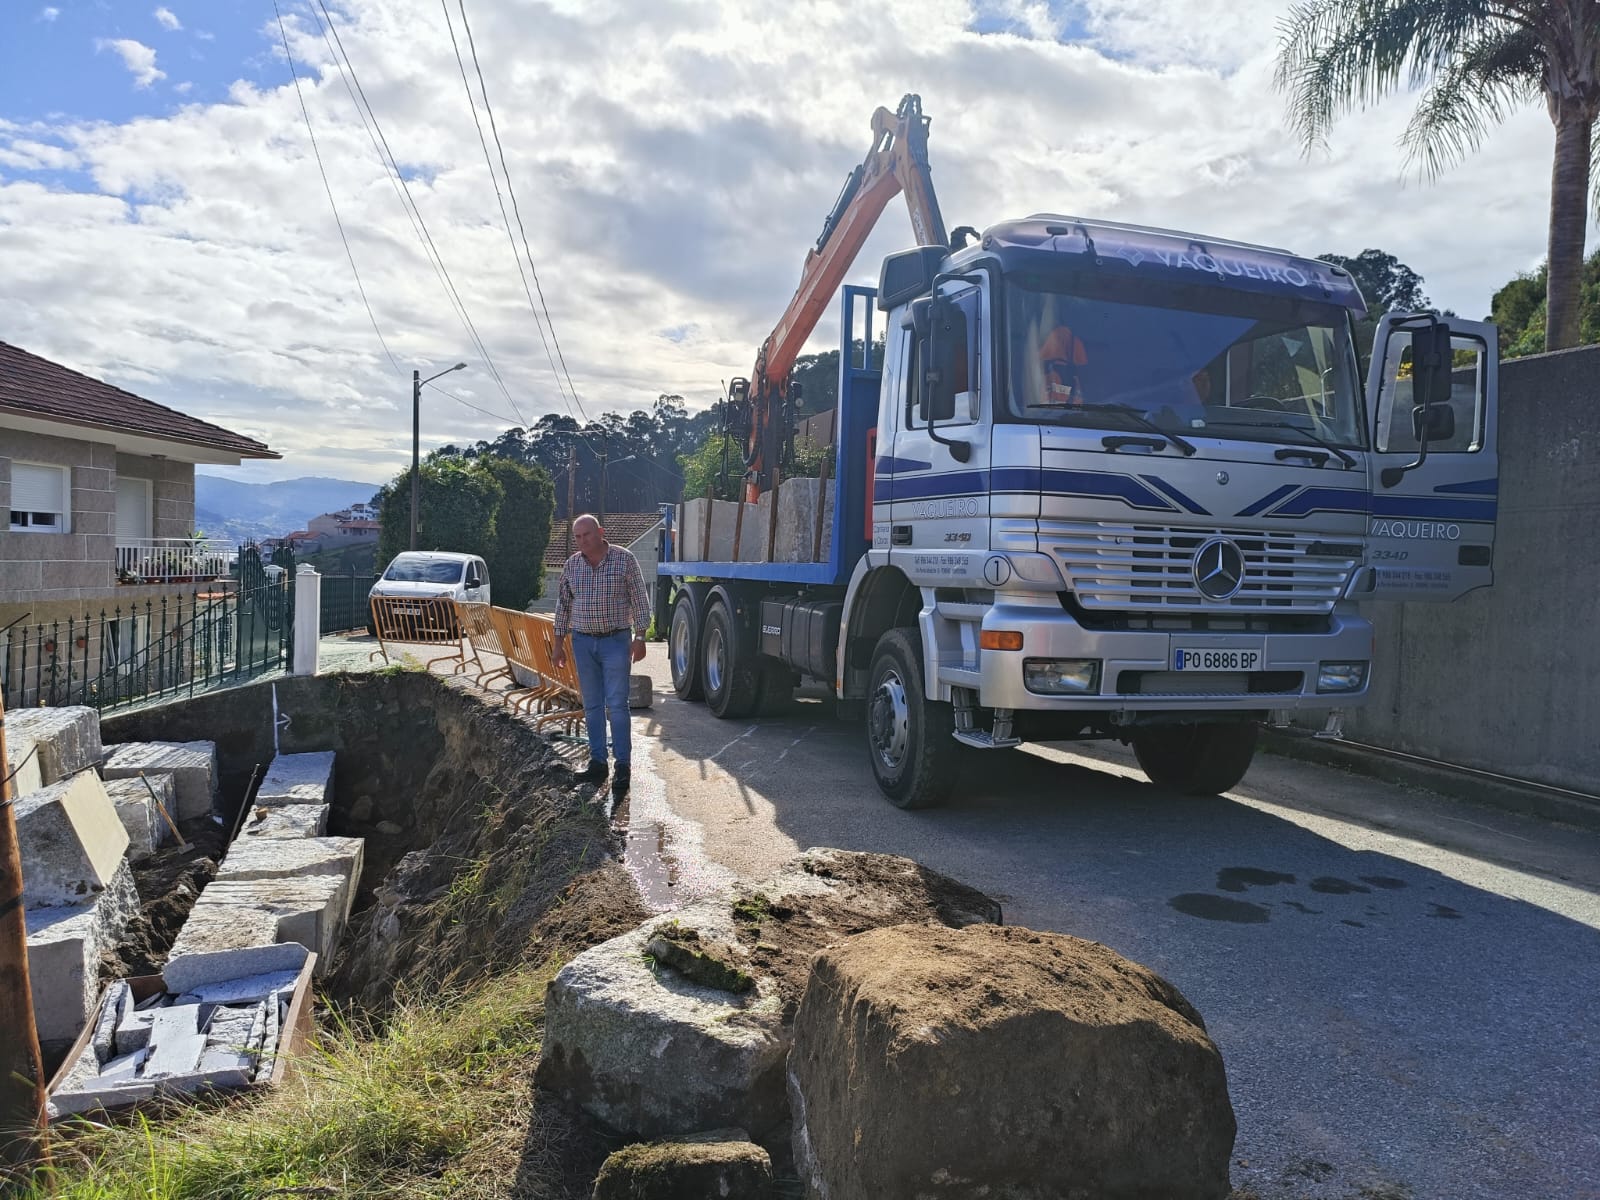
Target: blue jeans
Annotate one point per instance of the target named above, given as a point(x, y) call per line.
point(603, 666)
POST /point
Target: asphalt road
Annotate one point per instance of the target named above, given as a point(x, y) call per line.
point(1403, 986)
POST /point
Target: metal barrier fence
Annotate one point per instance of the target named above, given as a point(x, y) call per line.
point(344, 602)
point(133, 653)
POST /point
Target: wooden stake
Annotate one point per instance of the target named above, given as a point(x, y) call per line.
point(23, 1123)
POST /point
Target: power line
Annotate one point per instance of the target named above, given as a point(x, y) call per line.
point(505, 220)
point(394, 162)
point(494, 129)
point(327, 187)
point(474, 407)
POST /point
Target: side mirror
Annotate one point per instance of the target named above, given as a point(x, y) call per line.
point(1431, 364)
point(1433, 423)
point(922, 317)
point(473, 581)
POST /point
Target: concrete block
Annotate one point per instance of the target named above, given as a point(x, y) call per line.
point(65, 946)
point(70, 840)
point(114, 1009)
point(137, 811)
point(93, 1098)
point(287, 821)
point(192, 967)
point(797, 521)
point(297, 779)
point(193, 766)
point(753, 533)
point(176, 1042)
point(238, 914)
point(296, 858)
point(50, 744)
point(220, 1069)
point(249, 989)
point(134, 1033)
point(123, 1069)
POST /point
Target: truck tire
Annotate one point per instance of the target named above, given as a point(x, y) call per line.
point(729, 674)
point(909, 737)
point(683, 648)
point(1196, 760)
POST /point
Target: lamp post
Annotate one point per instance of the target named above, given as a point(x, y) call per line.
point(416, 438)
point(605, 465)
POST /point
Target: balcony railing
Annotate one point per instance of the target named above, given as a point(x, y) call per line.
point(172, 560)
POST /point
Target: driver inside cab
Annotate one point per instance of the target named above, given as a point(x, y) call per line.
point(1061, 358)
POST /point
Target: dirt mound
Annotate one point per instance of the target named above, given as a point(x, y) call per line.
point(169, 882)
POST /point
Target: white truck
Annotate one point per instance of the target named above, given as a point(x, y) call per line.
point(1099, 481)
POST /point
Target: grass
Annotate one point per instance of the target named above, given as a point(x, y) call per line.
point(438, 1103)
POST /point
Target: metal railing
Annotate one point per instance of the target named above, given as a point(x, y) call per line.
point(173, 560)
point(130, 654)
point(344, 602)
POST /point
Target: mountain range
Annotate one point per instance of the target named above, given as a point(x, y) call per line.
point(249, 511)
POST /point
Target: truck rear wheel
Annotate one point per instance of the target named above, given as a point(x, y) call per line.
point(728, 673)
point(683, 648)
point(1197, 760)
point(909, 737)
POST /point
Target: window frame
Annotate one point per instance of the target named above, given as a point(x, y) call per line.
point(63, 523)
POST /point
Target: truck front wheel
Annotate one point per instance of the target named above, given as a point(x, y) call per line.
point(909, 737)
point(1197, 760)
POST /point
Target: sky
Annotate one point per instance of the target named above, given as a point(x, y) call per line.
point(164, 224)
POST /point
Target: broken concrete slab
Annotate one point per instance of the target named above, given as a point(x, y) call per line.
point(297, 779)
point(190, 970)
point(242, 990)
point(70, 839)
point(287, 821)
point(46, 745)
point(136, 809)
point(176, 1042)
point(114, 1009)
point(193, 766)
point(297, 858)
point(239, 914)
point(65, 945)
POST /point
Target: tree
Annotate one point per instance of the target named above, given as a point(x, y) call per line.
point(1518, 309)
point(1477, 59)
point(702, 470)
point(1387, 283)
point(521, 530)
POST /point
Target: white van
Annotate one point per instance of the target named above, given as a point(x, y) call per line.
point(432, 575)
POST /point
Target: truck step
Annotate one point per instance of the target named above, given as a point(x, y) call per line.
point(982, 739)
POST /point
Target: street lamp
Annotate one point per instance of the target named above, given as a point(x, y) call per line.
point(416, 437)
point(605, 465)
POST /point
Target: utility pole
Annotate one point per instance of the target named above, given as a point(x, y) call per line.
point(572, 481)
point(605, 453)
point(22, 1082)
point(416, 439)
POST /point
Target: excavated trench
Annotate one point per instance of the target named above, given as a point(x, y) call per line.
point(478, 854)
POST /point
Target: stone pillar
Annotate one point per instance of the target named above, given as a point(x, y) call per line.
point(307, 619)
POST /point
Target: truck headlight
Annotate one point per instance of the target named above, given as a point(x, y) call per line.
point(1061, 676)
point(1341, 676)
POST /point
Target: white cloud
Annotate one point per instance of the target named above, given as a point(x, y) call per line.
point(668, 217)
point(184, 88)
point(167, 19)
point(137, 57)
point(49, 14)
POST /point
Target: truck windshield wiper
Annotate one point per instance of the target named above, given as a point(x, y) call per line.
point(1140, 420)
point(1305, 433)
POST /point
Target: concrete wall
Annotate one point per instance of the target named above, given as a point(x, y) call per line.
point(1507, 679)
point(171, 493)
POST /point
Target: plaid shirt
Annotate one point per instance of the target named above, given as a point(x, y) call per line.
point(602, 599)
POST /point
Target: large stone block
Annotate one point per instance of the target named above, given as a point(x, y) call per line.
point(297, 858)
point(71, 841)
point(286, 821)
point(240, 914)
point(933, 1061)
point(720, 1162)
point(193, 766)
point(65, 945)
point(47, 745)
point(297, 779)
point(797, 521)
point(138, 811)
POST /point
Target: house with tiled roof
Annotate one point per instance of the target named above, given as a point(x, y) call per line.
point(98, 487)
point(636, 531)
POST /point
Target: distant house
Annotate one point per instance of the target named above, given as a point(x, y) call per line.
point(348, 527)
point(99, 487)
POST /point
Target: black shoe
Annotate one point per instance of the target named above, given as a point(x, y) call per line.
point(595, 772)
point(621, 778)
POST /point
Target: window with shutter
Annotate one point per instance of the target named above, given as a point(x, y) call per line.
point(39, 498)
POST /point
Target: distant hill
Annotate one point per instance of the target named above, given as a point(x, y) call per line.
point(249, 511)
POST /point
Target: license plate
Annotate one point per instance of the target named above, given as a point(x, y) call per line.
point(1216, 660)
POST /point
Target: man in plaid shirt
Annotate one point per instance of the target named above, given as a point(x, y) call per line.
point(600, 599)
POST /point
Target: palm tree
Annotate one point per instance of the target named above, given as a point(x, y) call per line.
point(1475, 60)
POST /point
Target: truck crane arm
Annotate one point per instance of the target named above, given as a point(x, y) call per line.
point(897, 161)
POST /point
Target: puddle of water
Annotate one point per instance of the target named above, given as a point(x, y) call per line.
point(1220, 908)
point(1237, 879)
point(663, 852)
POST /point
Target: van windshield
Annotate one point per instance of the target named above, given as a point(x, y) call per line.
point(1205, 362)
point(423, 570)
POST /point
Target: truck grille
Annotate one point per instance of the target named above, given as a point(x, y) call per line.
point(1112, 566)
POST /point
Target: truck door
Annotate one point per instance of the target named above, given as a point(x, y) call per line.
point(1435, 474)
point(938, 471)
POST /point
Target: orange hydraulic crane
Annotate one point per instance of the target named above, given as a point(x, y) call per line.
point(761, 408)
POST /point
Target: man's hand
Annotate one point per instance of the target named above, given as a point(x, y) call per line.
point(558, 655)
point(638, 649)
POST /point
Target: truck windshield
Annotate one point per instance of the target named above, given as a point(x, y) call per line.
point(1202, 361)
point(423, 570)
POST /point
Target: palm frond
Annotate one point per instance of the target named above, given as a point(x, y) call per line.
point(1474, 91)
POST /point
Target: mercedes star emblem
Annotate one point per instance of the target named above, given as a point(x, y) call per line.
point(1219, 569)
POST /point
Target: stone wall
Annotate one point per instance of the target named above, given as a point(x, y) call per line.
point(171, 492)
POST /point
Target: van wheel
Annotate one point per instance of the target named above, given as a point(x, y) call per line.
point(728, 674)
point(683, 648)
point(909, 737)
point(1196, 760)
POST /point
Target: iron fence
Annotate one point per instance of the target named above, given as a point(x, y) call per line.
point(344, 602)
point(133, 653)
